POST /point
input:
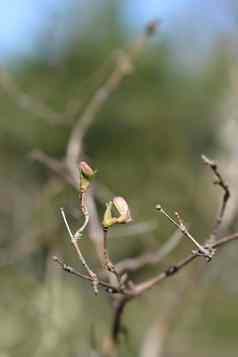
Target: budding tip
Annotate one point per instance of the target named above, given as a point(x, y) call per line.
point(158, 207)
point(152, 27)
point(86, 169)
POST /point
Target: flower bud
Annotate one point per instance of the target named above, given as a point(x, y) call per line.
point(86, 175)
point(86, 170)
point(123, 210)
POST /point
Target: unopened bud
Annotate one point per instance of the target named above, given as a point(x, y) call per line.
point(123, 210)
point(86, 170)
point(86, 175)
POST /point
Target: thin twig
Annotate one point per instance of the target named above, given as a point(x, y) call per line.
point(27, 103)
point(141, 288)
point(67, 268)
point(56, 166)
point(74, 242)
point(108, 265)
point(174, 269)
point(155, 340)
point(85, 213)
point(224, 186)
point(207, 253)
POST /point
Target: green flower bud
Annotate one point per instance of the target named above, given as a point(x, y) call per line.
point(122, 208)
point(108, 220)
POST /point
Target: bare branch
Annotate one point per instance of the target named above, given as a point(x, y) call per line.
point(224, 186)
point(119, 309)
point(56, 166)
point(108, 288)
point(75, 144)
point(26, 102)
point(139, 289)
point(108, 265)
point(207, 253)
point(174, 269)
point(122, 69)
point(84, 211)
point(74, 242)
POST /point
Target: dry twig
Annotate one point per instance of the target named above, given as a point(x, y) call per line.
point(220, 182)
point(206, 251)
point(108, 264)
point(74, 241)
point(155, 340)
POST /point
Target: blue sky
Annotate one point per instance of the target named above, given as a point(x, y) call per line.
point(23, 21)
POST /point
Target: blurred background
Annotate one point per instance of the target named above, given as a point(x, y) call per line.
point(146, 143)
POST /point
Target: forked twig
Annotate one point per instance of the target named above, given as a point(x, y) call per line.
point(207, 252)
point(67, 268)
point(74, 242)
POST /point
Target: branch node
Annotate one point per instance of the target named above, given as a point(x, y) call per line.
point(171, 270)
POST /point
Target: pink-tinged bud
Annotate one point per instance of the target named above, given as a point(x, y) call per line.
point(123, 210)
point(86, 170)
point(86, 175)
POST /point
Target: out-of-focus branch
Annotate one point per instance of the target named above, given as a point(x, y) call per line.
point(26, 102)
point(152, 258)
point(156, 337)
point(68, 168)
point(124, 66)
